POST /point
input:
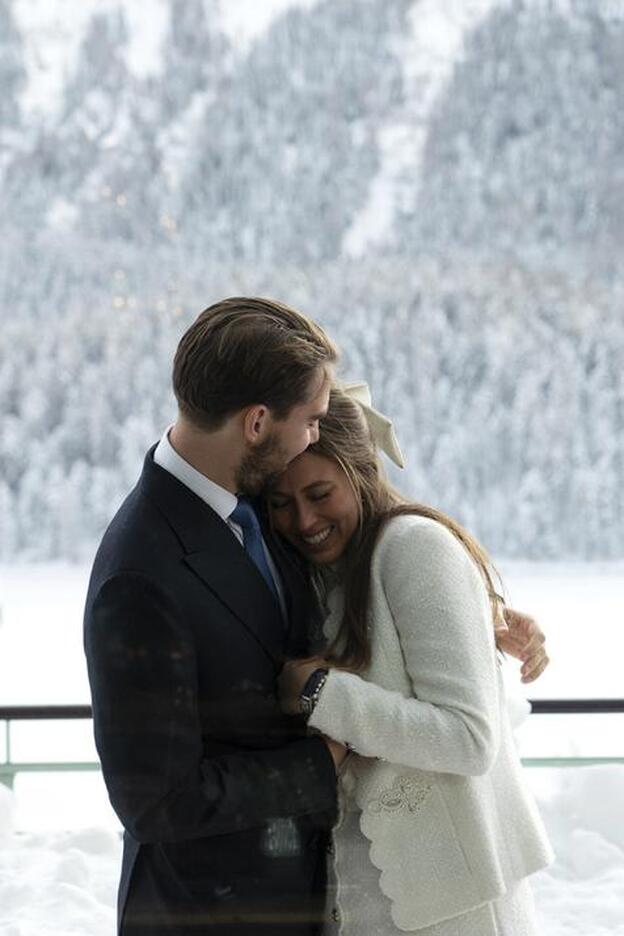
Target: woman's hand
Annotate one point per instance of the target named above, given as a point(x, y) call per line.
point(521, 637)
point(292, 679)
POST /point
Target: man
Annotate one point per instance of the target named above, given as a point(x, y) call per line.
point(192, 610)
point(225, 802)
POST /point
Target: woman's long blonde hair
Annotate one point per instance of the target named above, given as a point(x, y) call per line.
point(345, 439)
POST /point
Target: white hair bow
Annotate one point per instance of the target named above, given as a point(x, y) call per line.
point(380, 427)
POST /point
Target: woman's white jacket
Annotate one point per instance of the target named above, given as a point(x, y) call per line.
point(439, 783)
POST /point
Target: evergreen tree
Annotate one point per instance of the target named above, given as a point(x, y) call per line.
point(12, 71)
point(285, 158)
point(523, 152)
point(196, 54)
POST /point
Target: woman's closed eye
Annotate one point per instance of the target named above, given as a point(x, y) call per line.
point(278, 503)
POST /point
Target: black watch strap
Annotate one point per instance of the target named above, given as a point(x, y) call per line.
point(311, 691)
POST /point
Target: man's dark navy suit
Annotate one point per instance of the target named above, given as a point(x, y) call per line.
point(225, 802)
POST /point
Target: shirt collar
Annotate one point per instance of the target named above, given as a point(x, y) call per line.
point(222, 501)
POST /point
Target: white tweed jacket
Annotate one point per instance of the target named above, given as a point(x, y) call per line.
point(438, 780)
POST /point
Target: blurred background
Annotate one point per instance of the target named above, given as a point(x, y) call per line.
point(439, 183)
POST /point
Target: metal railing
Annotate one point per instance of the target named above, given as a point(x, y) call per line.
point(573, 707)
point(19, 713)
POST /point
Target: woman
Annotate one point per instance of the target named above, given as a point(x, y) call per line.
point(438, 833)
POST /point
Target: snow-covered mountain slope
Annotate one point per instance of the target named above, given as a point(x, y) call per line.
point(440, 184)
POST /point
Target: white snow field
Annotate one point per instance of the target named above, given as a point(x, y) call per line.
point(59, 840)
point(64, 883)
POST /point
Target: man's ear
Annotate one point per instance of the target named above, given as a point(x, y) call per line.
point(256, 423)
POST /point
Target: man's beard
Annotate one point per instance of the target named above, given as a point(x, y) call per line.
point(261, 467)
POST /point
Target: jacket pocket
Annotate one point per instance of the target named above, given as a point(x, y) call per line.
point(414, 845)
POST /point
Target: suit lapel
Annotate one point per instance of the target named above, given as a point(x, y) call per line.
point(229, 572)
point(216, 556)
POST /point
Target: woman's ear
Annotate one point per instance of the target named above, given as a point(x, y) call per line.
point(256, 423)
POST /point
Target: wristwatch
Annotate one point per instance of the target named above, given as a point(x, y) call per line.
point(310, 693)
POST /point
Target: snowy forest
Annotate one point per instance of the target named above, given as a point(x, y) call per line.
point(454, 221)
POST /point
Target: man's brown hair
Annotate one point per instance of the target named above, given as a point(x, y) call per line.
point(242, 351)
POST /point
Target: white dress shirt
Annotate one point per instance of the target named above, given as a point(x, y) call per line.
point(222, 501)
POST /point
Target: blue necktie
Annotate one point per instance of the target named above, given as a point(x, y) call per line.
point(245, 516)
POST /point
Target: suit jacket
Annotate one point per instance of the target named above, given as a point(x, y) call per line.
point(439, 783)
point(226, 803)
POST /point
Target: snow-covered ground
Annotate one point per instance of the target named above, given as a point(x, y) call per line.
point(56, 883)
point(64, 883)
point(59, 842)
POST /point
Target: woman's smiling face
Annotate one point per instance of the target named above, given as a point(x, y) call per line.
point(313, 506)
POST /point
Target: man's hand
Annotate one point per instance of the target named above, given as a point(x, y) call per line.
point(521, 637)
point(292, 679)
